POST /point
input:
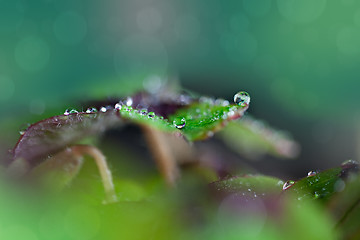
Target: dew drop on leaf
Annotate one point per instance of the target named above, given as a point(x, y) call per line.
point(179, 122)
point(91, 110)
point(70, 111)
point(103, 109)
point(242, 98)
point(118, 106)
point(316, 195)
point(312, 173)
point(143, 112)
point(288, 184)
point(151, 114)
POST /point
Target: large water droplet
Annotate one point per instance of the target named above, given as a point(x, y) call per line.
point(288, 184)
point(242, 98)
point(312, 173)
point(70, 111)
point(179, 122)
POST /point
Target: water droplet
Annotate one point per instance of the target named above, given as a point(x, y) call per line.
point(316, 195)
point(312, 173)
point(70, 111)
point(91, 110)
point(118, 106)
point(128, 101)
point(151, 115)
point(22, 132)
point(143, 112)
point(242, 99)
point(179, 123)
point(288, 184)
point(103, 109)
point(349, 163)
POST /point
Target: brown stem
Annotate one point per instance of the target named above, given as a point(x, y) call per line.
point(104, 170)
point(164, 158)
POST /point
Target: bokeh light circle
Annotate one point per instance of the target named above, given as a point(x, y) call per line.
point(241, 47)
point(18, 232)
point(32, 53)
point(70, 28)
point(357, 17)
point(82, 222)
point(149, 20)
point(11, 16)
point(7, 88)
point(257, 8)
point(141, 54)
point(348, 39)
point(301, 11)
point(239, 22)
point(187, 28)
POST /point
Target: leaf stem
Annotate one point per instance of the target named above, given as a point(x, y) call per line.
point(104, 170)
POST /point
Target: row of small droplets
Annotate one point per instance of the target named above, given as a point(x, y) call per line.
point(241, 98)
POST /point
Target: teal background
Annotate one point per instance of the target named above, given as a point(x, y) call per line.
point(297, 59)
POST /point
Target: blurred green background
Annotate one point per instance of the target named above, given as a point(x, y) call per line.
point(298, 59)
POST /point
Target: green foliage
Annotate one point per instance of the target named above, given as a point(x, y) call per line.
point(69, 205)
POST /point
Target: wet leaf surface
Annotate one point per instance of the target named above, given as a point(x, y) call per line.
point(198, 120)
point(322, 185)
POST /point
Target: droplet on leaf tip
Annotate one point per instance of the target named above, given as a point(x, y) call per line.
point(242, 98)
point(288, 184)
point(312, 173)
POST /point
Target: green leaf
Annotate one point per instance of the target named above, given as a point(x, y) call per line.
point(322, 185)
point(198, 120)
point(201, 119)
point(253, 138)
point(258, 185)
